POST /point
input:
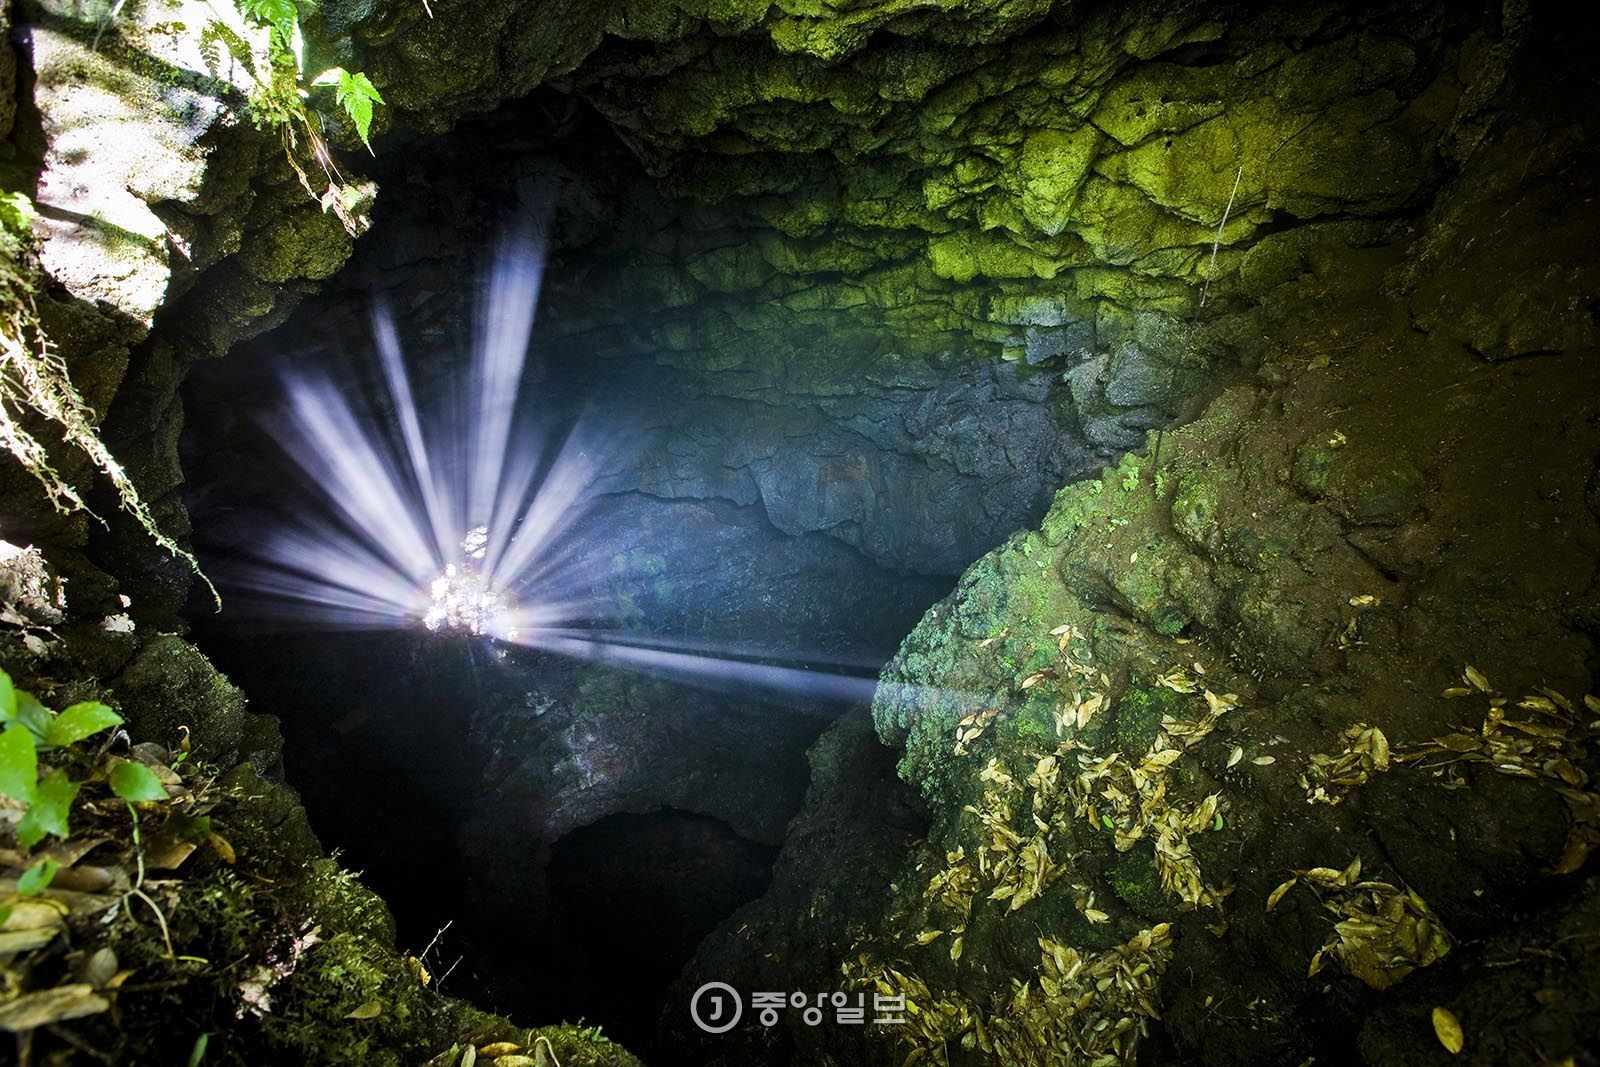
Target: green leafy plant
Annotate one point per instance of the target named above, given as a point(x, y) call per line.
point(356, 94)
point(1130, 479)
point(281, 99)
point(34, 383)
point(30, 730)
point(17, 213)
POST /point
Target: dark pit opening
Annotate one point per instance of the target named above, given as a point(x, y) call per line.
point(784, 497)
point(632, 898)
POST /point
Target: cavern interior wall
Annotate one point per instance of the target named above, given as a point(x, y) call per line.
point(1161, 404)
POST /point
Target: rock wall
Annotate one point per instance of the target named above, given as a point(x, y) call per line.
point(966, 250)
point(1082, 205)
point(1008, 185)
point(1261, 735)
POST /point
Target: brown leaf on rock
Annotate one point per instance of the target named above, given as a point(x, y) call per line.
point(33, 1010)
point(1448, 1029)
point(14, 941)
point(499, 1048)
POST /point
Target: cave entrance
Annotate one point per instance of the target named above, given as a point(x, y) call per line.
point(632, 898)
point(780, 497)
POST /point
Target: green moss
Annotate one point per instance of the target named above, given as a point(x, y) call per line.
point(1033, 724)
point(1159, 98)
point(1134, 880)
point(1075, 508)
point(1013, 591)
point(576, 1045)
point(954, 256)
point(295, 244)
point(170, 687)
point(825, 39)
point(1313, 458)
point(1194, 510)
point(1137, 714)
point(1050, 170)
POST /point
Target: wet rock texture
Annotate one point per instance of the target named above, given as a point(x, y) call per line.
point(1327, 548)
point(1041, 194)
point(922, 265)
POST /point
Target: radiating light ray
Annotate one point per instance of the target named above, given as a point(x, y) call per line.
point(459, 517)
point(324, 565)
point(286, 597)
point(387, 546)
point(504, 324)
point(706, 670)
point(731, 650)
point(443, 516)
point(554, 508)
point(328, 442)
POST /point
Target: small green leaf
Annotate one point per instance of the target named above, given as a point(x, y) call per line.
point(37, 879)
point(78, 722)
point(17, 213)
point(19, 764)
point(197, 1053)
point(134, 781)
point(356, 94)
point(193, 829)
point(8, 698)
point(48, 815)
point(34, 715)
point(279, 14)
point(5, 914)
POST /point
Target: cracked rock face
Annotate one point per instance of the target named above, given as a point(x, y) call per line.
point(868, 283)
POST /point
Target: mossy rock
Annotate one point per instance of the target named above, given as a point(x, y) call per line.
point(170, 689)
point(300, 243)
point(1133, 878)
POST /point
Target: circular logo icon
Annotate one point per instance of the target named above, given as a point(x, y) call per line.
point(721, 1009)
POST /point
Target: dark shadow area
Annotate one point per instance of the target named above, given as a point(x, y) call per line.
point(633, 896)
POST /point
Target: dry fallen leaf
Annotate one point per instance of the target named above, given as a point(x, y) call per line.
point(1277, 894)
point(1448, 1027)
point(370, 1010)
point(418, 970)
point(1236, 755)
point(13, 941)
point(500, 1048)
point(223, 847)
point(33, 1010)
point(101, 967)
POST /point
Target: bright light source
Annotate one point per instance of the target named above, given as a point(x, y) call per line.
point(462, 601)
